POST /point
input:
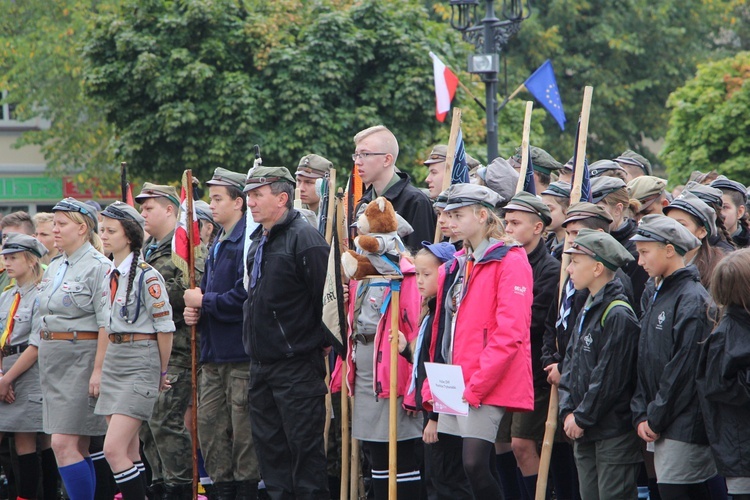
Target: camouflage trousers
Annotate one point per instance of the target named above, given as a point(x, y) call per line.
point(224, 422)
point(166, 441)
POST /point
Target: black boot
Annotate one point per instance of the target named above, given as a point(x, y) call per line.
point(155, 491)
point(246, 490)
point(178, 492)
point(225, 490)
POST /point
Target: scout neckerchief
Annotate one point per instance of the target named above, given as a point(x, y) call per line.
point(114, 282)
point(5, 339)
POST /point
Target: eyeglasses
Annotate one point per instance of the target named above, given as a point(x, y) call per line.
point(365, 156)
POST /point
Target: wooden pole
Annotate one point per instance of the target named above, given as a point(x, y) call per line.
point(355, 467)
point(449, 157)
point(193, 328)
point(345, 433)
point(395, 284)
point(575, 197)
point(525, 147)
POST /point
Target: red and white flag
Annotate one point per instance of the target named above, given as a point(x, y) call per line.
point(180, 241)
point(446, 83)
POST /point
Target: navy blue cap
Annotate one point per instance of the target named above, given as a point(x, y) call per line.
point(443, 251)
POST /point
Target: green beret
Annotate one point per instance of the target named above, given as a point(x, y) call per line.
point(527, 202)
point(632, 158)
point(602, 247)
point(558, 189)
point(543, 161)
point(224, 177)
point(150, 190)
point(19, 242)
point(465, 195)
point(313, 166)
point(586, 210)
point(262, 176)
point(701, 212)
point(663, 229)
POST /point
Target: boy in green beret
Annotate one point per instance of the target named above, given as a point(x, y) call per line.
point(599, 377)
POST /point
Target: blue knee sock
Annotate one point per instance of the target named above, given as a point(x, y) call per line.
point(90, 461)
point(78, 480)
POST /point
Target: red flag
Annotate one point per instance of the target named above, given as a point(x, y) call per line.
point(446, 83)
point(180, 241)
point(129, 196)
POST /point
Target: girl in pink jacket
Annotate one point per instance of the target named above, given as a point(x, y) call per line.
point(483, 325)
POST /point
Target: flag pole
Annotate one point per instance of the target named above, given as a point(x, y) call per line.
point(193, 328)
point(525, 146)
point(124, 181)
point(575, 197)
point(449, 157)
point(341, 227)
point(328, 237)
point(511, 96)
point(395, 284)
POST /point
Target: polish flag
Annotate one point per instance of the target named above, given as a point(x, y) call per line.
point(445, 87)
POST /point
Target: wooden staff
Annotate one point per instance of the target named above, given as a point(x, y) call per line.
point(449, 157)
point(355, 468)
point(395, 284)
point(550, 427)
point(525, 147)
point(193, 337)
point(341, 229)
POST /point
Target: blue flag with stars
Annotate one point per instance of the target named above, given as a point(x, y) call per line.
point(543, 86)
point(460, 172)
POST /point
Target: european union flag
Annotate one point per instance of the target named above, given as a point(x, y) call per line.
point(543, 86)
point(460, 171)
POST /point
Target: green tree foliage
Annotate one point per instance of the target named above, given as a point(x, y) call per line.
point(633, 52)
point(708, 125)
point(195, 84)
point(40, 66)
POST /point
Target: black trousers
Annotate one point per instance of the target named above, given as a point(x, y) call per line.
point(287, 414)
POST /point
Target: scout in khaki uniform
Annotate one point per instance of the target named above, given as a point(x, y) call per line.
point(140, 339)
point(74, 309)
point(20, 392)
point(166, 441)
point(598, 380)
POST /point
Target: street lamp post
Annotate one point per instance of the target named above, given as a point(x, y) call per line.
point(489, 36)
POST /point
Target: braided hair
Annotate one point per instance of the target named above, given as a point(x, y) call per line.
point(134, 234)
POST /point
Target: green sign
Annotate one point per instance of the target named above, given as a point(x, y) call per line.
point(30, 189)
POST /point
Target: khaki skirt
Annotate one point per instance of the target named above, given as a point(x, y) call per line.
point(65, 368)
point(130, 379)
point(25, 413)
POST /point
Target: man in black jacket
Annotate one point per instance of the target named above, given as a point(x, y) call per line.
point(283, 336)
point(375, 155)
point(599, 376)
point(526, 217)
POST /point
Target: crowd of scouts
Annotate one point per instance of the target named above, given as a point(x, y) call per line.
point(643, 340)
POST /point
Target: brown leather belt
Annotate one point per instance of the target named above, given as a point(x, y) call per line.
point(120, 338)
point(69, 335)
point(10, 350)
